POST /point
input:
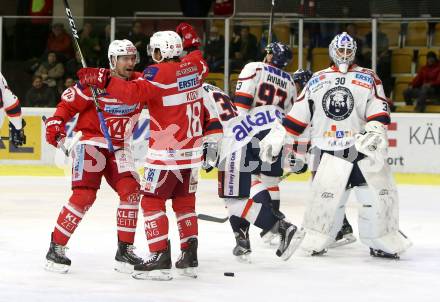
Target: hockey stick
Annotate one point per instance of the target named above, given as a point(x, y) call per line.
point(269, 35)
point(64, 147)
point(84, 64)
point(5, 138)
point(212, 218)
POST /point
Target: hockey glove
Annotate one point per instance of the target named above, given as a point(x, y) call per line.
point(271, 144)
point(189, 36)
point(55, 130)
point(16, 136)
point(297, 163)
point(373, 142)
point(98, 77)
point(210, 156)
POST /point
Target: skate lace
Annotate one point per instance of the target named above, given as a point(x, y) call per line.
point(152, 257)
point(61, 250)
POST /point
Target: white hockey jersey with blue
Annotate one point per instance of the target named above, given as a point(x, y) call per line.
point(337, 106)
point(238, 130)
point(261, 84)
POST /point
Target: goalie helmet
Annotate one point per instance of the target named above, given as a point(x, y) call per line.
point(169, 44)
point(282, 54)
point(121, 48)
point(342, 51)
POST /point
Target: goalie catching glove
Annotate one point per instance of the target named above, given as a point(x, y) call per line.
point(373, 142)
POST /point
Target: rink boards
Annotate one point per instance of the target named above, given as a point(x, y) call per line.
point(414, 144)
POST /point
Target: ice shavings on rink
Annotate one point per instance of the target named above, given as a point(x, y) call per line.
point(29, 207)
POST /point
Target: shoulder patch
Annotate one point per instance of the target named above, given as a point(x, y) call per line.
point(150, 73)
point(68, 95)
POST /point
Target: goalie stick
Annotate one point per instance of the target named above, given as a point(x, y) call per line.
point(84, 64)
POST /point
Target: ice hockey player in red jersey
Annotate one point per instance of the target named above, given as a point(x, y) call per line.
point(171, 90)
point(11, 105)
point(92, 160)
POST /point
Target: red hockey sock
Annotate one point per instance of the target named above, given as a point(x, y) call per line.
point(188, 227)
point(67, 223)
point(127, 214)
point(156, 229)
point(72, 213)
point(127, 217)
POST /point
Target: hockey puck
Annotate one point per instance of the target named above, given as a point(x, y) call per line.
point(229, 274)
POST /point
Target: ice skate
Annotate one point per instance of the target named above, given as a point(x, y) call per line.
point(345, 235)
point(125, 258)
point(156, 267)
point(270, 238)
point(56, 259)
point(382, 254)
point(290, 239)
point(187, 263)
point(242, 249)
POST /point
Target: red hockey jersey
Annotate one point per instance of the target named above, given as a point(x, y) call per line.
point(179, 118)
point(120, 118)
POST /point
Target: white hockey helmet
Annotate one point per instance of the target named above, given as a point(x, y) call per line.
point(342, 51)
point(169, 44)
point(121, 48)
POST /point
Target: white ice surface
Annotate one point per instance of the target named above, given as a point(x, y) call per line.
point(29, 207)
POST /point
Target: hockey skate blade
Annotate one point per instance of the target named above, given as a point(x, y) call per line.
point(270, 239)
point(347, 239)
point(123, 267)
point(56, 267)
point(246, 258)
point(188, 272)
point(156, 275)
point(293, 246)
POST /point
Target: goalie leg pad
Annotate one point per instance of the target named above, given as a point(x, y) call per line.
point(326, 205)
point(379, 214)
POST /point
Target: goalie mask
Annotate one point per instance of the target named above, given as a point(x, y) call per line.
point(169, 44)
point(121, 48)
point(342, 51)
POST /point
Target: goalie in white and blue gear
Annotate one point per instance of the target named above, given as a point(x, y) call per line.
point(347, 119)
point(237, 161)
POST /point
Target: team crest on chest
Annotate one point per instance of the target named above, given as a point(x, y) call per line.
point(338, 103)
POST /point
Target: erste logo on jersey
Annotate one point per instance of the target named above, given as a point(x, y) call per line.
point(188, 82)
point(338, 103)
